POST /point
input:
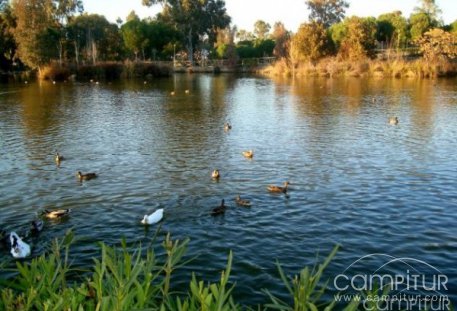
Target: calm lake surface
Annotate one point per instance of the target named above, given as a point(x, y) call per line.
point(355, 180)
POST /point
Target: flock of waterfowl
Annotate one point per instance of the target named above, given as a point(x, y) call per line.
point(20, 249)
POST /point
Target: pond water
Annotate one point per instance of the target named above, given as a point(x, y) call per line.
point(354, 179)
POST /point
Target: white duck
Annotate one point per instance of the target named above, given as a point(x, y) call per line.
point(153, 218)
point(19, 249)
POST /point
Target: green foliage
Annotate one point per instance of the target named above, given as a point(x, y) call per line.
point(437, 44)
point(392, 28)
point(255, 48)
point(7, 44)
point(94, 39)
point(305, 289)
point(310, 43)
point(327, 12)
point(359, 41)
point(453, 27)
point(194, 19)
point(419, 23)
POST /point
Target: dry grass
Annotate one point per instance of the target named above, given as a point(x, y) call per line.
point(332, 67)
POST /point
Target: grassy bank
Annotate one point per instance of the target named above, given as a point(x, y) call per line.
point(332, 67)
point(139, 280)
point(105, 71)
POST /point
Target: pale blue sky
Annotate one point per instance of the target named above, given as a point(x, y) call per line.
point(292, 13)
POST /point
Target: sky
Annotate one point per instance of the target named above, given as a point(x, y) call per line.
point(292, 13)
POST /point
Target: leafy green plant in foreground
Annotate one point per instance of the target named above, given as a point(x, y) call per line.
point(122, 279)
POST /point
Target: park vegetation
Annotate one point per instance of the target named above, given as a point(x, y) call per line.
point(56, 39)
point(132, 277)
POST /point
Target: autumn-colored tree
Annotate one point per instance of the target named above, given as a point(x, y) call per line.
point(282, 40)
point(392, 28)
point(360, 40)
point(327, 12)
point(437, 44)
point(261, 29)
point(33, 19)
point(309, 43)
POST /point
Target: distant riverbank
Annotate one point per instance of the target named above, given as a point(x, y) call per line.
point(332, 67)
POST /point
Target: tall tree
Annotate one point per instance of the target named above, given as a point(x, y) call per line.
point(360, 39)
point(244, 35)
point(392, 28)
point(430, 8)
point(7, 44)
point(282, 38)
point(33, 19)
point(135, 36)
point(261, 29)
point(419, 23)
point(195, 19)
point(327, 12)
point(309, 43)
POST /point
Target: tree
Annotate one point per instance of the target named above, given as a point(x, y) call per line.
point(132, 17)
point(392, 28)
point(309, 43)
point(94, 38)
point(134, 35)
point(327, 12)
point(419, 23)
point(33, 18)
point(437, 44)
point(430, 8)
point(261, 29)
point(282, 39)
point(244, 35)
point(7, 44)
point(360, 39)
point(195, 19)
point(453, 27)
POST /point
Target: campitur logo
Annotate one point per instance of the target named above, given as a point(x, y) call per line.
point(396, 284)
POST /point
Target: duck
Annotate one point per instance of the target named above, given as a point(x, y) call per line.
point(248, 154)
point(242, 202)
point(227, 126)
point(278, 189)
point(58, 157)
point(153, 218)
point(215, 174)
point(19, 249)
point(37, 226)
point(219, 210)
point(87, 176)
point(393, 120)
point(58, 213)
point(172, 93)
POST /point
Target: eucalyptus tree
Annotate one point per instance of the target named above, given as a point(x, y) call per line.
point(261, 29)
point(419, 23)
point(195, 19)
point(430, 8)
point(327, 12)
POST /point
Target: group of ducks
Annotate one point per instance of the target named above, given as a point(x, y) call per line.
point(20, 249)
point(249, 154)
